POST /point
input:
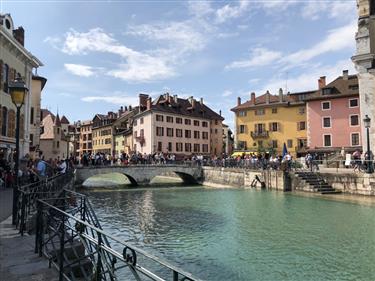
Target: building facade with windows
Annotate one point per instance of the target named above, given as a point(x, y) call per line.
point(266, 122)
point(85, 137)
point(123, 131)
point(174, 125)
point(333, 116)
point(15, 61)
point(102, 133)
point(37, 86)
point(53, 139)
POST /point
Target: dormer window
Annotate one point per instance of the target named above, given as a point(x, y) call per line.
point(327, 91)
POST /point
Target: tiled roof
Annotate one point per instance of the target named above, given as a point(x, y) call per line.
point(261, 101)
point(167, 103)
point(64, 120)
point(339, 88)
point(45, 112)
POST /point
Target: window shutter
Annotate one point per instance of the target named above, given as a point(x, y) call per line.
point(278, 126)
point(298, 127)
point(270, 127)
point(1, 118)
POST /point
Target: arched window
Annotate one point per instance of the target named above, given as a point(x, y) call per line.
point(11, 123)
point(4, 115)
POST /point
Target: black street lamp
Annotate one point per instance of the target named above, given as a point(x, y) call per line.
point(18, 91)
point(367, 124)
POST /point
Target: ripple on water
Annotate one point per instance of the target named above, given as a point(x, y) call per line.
point(236, 234)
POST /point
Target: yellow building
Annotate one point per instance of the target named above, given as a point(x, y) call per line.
point(266, 122)
point(102, 132)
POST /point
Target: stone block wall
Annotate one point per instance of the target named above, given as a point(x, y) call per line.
point(361, 183)
point(242, 178)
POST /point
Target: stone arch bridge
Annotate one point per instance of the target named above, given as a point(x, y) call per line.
point(142, 174)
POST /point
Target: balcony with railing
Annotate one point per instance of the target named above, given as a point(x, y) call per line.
point(259, 134)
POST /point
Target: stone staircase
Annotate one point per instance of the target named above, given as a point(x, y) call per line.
point(316, 183)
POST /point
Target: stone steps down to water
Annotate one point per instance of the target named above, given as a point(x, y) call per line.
point(316, 184)
point(74, 254)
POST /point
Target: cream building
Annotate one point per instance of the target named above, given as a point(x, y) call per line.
point(180, 126)
point(53, 141)
point(14, 60)
point(364, 61)
point(85, 137)
point(122, 131)
point(37, 86)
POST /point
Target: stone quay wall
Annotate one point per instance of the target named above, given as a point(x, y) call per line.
point(218, 176)
point(352, 183)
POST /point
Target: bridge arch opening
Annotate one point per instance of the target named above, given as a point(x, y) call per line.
point(109, 180)
point(174, 177)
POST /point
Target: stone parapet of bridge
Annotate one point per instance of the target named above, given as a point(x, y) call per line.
point(142, 174)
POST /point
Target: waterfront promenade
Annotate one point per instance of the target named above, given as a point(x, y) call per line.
point(18, 262)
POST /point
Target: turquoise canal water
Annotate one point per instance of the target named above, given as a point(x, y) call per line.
point(237, 234)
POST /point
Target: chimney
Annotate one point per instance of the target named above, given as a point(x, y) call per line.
point(322, 82)
point(175, 98)
point(220, 112)
point(252, 98)
point(148, 103)
point(238, 101)
point(267, 97)
point(19, 35)
point(130, 108)
point(345, 74)
point(193, 103)
point(280, 95)
point(126, 108)
point(201, 102)
point(142, 100)
point(167, 96)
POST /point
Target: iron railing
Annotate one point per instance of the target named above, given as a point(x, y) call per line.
point(70, 235)
point(29, 194)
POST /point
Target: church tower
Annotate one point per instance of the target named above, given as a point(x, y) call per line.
point(364, 61)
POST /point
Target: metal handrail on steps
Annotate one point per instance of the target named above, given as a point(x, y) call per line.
point(104, 257)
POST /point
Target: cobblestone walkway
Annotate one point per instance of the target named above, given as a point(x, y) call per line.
point(18, 262)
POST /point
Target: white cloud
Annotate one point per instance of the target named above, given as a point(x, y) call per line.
point(309, 79)
point(139, 67)
point(200, 8)
point(118, 99)
point(332, 9)
point(258, 57)
point(180, 36)
point(337, 39)
point(81, 70)
point(228, 11)
point(53, 41)
point(227, 93)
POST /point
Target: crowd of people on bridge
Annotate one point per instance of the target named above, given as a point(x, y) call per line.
point(99, 159)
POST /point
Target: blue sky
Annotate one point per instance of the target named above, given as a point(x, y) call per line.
point(99, 55)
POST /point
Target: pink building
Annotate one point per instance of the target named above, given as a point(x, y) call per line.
point(333, 116)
